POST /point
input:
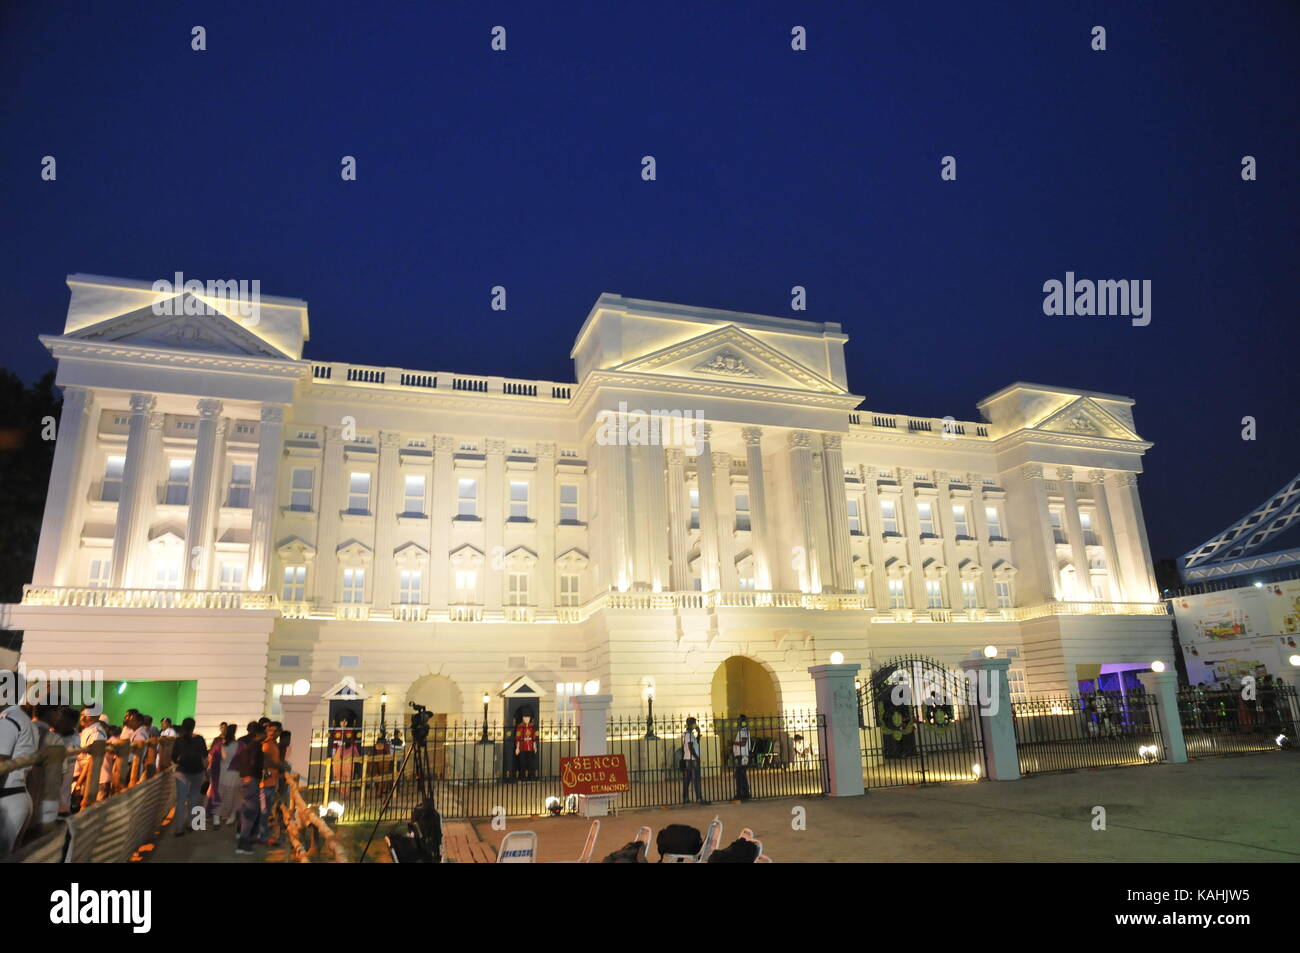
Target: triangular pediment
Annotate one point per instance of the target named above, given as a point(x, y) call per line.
point(187, 323)
point(524, 687)
point(1083, 418)
point(730, 354)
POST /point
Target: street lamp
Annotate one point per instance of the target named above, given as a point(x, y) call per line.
point(383, 714)
point(1157, 666)
point(648, 693)
point(485, 740)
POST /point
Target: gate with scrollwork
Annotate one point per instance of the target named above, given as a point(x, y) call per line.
point(920, 725)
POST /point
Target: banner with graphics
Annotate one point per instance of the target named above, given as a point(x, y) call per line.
point(1252, 630)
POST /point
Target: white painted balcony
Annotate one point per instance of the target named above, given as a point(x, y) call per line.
point(97, 598)
point(396, 378)
point(410, 612)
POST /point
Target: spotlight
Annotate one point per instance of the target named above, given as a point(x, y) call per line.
point(990, 651)
point(554, 806)
point(1157, 666)
point(977, 770)
point(837, 658)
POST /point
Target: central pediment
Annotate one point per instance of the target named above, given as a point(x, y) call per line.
point(730, 354)
point(1084, 418)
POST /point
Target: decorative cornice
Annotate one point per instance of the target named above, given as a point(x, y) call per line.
point(61, 347)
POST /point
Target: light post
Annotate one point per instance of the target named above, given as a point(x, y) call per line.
point(485, 740)
point(383, 714)
point(648, 693)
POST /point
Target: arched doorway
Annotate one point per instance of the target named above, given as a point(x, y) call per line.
point(742, 686)
point(441, 696)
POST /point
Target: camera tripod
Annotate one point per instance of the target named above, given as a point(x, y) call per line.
point(425, 826)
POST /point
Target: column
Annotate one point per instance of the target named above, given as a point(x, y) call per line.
point(801, 478)
point(991, 691)
point(299, 721)
point(837, 513)
point(837, 702)
point(139, 494)
point(656, 507)
point(333, 491)
point(266, 482)
point(679, 510)
point(728, 578)
point(759, 529)
point(388, 503)
point(494, 523)
point(1140, 581)
point(1106, 533)
point(1079, 552)
point(1032, 474)
point(638, 514)
point(57, 549)
point(709, 577)
point(593, 717)
point(197, 571)
point(546, 513)
point(442, 508)
point(1163, 686)
point(614, 515)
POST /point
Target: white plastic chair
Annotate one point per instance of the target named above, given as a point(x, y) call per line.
point(711, 838)
point(644, 837)
point(518, 847)
point(590, 846)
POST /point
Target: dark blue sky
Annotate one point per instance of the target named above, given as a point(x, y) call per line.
point(775, 168)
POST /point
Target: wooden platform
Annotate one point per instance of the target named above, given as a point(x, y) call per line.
point(461, 845)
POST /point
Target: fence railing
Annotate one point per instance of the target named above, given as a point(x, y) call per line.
point(474, 771)
point(1104, 729)
point(1227, 722)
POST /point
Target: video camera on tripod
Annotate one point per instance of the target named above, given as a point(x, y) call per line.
point(421, 841)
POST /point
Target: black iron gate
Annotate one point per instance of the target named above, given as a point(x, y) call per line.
point(920, 725)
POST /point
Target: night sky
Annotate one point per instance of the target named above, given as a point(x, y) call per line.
point(775, 168)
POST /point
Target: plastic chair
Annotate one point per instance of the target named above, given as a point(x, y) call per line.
point(518, 847)
point(590, 846)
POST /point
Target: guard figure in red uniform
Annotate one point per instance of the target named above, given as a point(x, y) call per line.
point(526, 748)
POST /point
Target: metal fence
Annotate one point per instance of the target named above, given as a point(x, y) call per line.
point(919, 725)
point(1101, 729)
point(787, 757)
point(473, 772)
point(1227, 722)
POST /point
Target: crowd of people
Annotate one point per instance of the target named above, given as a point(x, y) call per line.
point(238, 782)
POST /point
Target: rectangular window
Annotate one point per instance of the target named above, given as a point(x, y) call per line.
point(232, 577)
point(518, 502)
point(897, 598)
point(1085, 523)
point(410, 587)
point(568, 503)
point(959, 523)
point(110, 491)
point(359, 493)
point(855, 517)
point(860, 586)
point(178, 482)
point(569, 589)
point(925, 515)
point(889, 516)
point(933, 594)
point(300, 498)
point(746, 582)
point(295, 584)
point(100, 570)
point(1058, 531)
point(466, 581)
point(1099, 589)
point(467, 497)
point(354, 585)
point(413, 497)
point(995, 523)
point(968, 597)
point(241, 485)
point(742, 511)
point(695, 509)
point(1002, 590)
point(167, 575)
point(517, 589)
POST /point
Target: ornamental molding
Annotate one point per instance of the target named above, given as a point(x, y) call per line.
point(61, 347)
point(728, 365)
point(799, 440)
point(680, 387)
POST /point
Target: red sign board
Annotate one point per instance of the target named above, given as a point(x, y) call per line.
point(594, 774)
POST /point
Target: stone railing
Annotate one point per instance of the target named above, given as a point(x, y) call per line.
point(1025, 613)
point(902, 423)
point(396, 378)
point(96, 598)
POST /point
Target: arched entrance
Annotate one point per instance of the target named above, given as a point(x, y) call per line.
point(441, 696)
point(742, 686)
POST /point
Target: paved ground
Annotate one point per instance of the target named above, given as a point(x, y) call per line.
point(1215, 810)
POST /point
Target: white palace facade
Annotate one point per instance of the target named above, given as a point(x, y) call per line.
point(225, 512)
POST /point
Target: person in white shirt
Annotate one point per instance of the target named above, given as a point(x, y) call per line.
point(92, 730)
point(18, 739)
point(168, 729)
point(740, 757)
point(690, 763)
